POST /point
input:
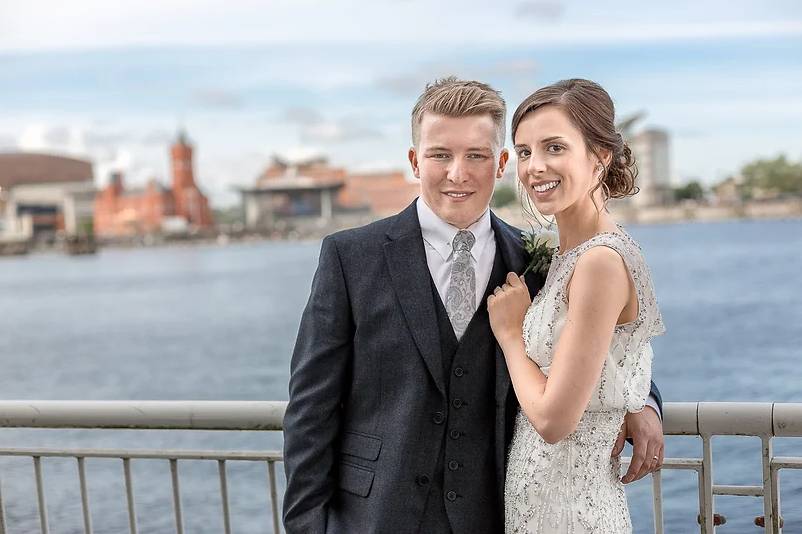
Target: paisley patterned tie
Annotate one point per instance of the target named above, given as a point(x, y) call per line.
point(461, 294)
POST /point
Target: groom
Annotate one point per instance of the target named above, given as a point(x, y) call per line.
point(400, 409)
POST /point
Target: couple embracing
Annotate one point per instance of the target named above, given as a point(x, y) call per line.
point(430, 392)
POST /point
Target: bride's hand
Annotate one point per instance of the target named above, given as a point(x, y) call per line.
point(507, 307)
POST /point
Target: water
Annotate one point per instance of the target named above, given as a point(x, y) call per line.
point(212, 322)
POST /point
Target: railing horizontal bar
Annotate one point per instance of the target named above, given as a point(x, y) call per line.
point(178, 415)
point(692, 464)
point(680, 418)
point(735, 418)
point(742, 491)
point(682, 463)
point(787, 419)
point(786, 462)
point(161, 454)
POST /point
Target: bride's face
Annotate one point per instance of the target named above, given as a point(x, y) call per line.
point(554, 164)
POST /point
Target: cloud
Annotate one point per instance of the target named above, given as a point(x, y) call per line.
point(413, 82)
point(57, 135)
point(217, 98)
point(301, 115)
point(8, 142)
point(516, 68)
point(541, 10)
point(109, 138)
point(403, 84)
point(337, 131)
point(315, 128)
point(98, 24)
point(157, 138)
point(37, 137)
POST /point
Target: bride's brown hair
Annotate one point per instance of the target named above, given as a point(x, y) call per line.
point(592, 112)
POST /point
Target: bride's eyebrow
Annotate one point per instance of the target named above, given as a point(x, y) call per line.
point(552, 138)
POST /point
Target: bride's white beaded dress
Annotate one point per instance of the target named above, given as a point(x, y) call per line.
point(574, 487)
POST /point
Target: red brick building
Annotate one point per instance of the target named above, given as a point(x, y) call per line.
point(121, 212)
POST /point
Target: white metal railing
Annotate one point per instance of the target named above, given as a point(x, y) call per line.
point(144, 415)
point(704, 419)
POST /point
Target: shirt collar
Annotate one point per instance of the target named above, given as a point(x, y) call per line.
point(440, 235)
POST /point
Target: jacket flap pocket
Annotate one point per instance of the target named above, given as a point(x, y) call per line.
point(360, 445)
point(355, 479)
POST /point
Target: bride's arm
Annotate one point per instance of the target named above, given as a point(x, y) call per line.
point(598, 292)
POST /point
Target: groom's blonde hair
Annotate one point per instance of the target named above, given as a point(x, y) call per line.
point(453, 97)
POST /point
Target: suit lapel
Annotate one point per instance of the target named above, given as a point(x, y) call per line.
point(508, 242)
point(410, 278)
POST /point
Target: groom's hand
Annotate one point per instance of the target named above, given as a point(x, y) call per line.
point(646, 431)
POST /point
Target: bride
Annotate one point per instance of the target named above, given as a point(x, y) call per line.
point(579, 354)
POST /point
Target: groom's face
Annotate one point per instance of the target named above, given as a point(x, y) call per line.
point(458, 160)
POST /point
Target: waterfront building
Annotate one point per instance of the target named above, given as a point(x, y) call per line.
point(651, 148)
point(727, 192)
point(43, 195)
point(155, 208)
point(313, 189)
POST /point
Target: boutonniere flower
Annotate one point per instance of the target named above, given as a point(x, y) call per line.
point(540, 247)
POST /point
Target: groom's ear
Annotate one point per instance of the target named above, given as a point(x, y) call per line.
point(503, 158)
point(413, 160)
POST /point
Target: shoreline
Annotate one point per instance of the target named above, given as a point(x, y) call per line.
point(315, 230)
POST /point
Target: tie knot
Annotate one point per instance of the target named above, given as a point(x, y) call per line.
point(464, 240)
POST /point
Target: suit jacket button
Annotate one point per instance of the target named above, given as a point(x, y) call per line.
point(459, 371)
point(438, 418)
point(451, 496)
point(453, 465)
point(421, 480)
point(455, 434)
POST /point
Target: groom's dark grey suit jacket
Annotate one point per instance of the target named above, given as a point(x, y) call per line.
point(383, 398)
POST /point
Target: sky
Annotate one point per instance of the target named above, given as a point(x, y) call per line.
point(114, 81)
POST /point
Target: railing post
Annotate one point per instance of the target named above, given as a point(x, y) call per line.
point(657, 497)
point(179, 518)
point(2, 510)
point(271, 471)
point(84, 496)
point(706, 489)
point(129, 495)
point(40, 493)
point(221, 467)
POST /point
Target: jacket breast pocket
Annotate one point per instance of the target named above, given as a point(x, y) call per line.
point(361, 445)
point(355, 479)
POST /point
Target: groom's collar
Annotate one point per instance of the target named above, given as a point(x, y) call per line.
point(439, 234)
point(508, 238)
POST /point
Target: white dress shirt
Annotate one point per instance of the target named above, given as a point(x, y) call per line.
point(438, 237)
